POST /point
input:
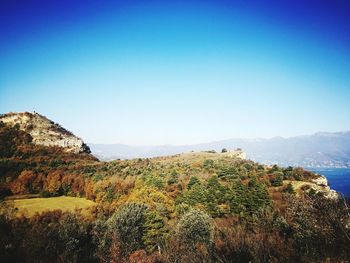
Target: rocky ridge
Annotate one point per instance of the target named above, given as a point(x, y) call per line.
point(321, 185)
point(45, 132)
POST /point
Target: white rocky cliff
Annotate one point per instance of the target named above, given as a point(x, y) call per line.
point(45, 132)
point(321, 185)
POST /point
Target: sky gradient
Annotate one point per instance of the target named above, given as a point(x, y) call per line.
point(180, 72)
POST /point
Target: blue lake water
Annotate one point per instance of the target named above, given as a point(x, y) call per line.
point(338, 178)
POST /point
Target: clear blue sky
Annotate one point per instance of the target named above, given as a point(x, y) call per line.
point(178, 72)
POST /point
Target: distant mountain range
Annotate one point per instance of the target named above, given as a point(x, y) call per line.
point(319, 150)
point(322, 149)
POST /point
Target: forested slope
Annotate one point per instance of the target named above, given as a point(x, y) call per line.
point(193, 207)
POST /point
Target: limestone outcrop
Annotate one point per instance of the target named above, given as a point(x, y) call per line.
point(44, 131)
point(321, 183)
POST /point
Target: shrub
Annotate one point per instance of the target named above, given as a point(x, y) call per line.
point(289, 189)
point(152, 180)
point(193, 181)
point(72, 233)
point(182, 208)
point(229, 173)
point(197, 194)
point(128, 225)
point(172, 181)
point(155, 231)
point(277, 179)
point(174, 178)
point(195, 227)
point(53, 183)
point(209, 163)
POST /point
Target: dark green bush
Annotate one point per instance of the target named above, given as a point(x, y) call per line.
point(128, 225)
point(195, 227)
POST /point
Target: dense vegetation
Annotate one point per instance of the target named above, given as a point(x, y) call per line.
point(195, 207)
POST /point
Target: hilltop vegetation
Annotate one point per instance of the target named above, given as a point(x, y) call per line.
point(194, 207)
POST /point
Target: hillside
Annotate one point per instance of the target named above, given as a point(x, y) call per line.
point(189, 207)
point(19, 152)
point(45, 132)
point(317, 150)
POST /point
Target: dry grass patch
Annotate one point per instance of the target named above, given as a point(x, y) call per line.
point(28, 207)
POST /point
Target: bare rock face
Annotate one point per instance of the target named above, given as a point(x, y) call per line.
point(45, 132)
point(238, 153)
point(321, 183)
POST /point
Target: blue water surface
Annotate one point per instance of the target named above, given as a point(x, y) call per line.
point(338, 178)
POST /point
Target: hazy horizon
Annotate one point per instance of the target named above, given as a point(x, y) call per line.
point(178, 73)
point(219, 140)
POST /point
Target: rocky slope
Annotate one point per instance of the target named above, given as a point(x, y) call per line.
point(45, 132)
